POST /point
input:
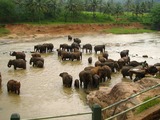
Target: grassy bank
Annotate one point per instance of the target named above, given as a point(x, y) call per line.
point(3, 32)
point(122, 30)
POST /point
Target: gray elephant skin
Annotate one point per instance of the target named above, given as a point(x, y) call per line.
point(18, 55)
point(67, 79)
point(17, 63)
point(35, 59)
point(13, 86)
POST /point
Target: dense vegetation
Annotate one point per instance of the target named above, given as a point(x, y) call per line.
point(80, 11)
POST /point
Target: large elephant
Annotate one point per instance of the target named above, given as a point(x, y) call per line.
point(124, 53)
point(39, 64)
point(125, 71)
point(134, 63)
point(88, 47)
point(64, 46)
point(105, 54)
point(100, 48)
point(85, 78)
point(17, 63)
point(65, 55)
point(49, 47)
point(96, 80)
point(35, 59)
point(103, 72)
point(75, 45)
point(76, 55)
point(40, 48)
point(13, 86)
point(67, 79)
point(101, 59)
point(18, 55)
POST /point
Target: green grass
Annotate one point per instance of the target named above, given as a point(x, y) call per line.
point(4, 31)
point(147, 105)
point(128, 30)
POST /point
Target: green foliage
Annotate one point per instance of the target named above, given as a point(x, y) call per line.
point(155, 16)
point(3, 31)
point(7, 11)
point(147, 105)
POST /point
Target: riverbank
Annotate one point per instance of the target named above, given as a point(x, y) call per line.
point(28, 32)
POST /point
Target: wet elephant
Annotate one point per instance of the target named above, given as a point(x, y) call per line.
point(69, 37)
point(18, 55)
point(65, 55)
point(76, 83)
point(36, 55)
point(49, 47)
point(105, 54)
point(103, 72)
point(96, 80)
point(13, 86)
point(64, 46)
point(39, 64)
point(77, 40)
point(40, 48)
point(17, 63)
point(124, 53)
point(88, 47)
point(67, 79)
point(100, 48)
point(76, 55)
point(75, 45)
point(85, 78)
point(125, 71)
point(35, 59)
point(101, 59)
point(134, 63)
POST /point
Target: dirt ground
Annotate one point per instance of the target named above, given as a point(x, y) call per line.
point(26, 32)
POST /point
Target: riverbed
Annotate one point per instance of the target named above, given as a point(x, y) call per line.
point(42, 93)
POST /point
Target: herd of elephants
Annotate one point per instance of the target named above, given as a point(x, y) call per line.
point(91, 76)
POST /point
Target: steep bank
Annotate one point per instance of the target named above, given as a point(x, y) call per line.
point(105, 97)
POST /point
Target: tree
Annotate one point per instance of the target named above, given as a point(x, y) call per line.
point(7, 11)
point(155, 16)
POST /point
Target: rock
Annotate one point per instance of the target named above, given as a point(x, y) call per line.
point(107, 96)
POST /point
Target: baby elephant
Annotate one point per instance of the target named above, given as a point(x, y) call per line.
point(13, 86)
point(67, 79)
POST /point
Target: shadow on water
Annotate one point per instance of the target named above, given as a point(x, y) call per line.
point(42, 93)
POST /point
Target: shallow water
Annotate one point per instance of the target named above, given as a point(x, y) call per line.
point(42, 93)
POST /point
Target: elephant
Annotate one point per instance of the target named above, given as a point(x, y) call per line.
point(59, 51)
point(69, 37)
point(39, 64)
point(124, 53)
point(100, 48)
point(76, 83)
point(77, 40)
point(125, 70)
point(152, 70)
point(121, 62)
point(126, 60)
point(35, 59)
point(96, 80)
point(105, 54)
point(88, 47)
point(88, 68)
point(75, 45)
point(134, 63)
point(65, 55)
point(17, 63)
point(101, 59)
point(90, 60)
point(85, 77)
point(36, 55)
point(49, 47)
point(103, 72)
point(13, 86)
point(64, 46)
point(40, 48)
point(67, 79)
point(76, 55)
point(18, 55)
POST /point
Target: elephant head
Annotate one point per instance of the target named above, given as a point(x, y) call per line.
point(10, 63)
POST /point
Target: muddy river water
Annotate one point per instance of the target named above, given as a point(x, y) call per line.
point(42, 93)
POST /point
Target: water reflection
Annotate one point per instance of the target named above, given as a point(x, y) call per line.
point(42, 93)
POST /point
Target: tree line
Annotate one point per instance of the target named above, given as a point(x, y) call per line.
point(13, 11)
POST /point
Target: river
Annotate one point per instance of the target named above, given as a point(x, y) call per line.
point(42, 93)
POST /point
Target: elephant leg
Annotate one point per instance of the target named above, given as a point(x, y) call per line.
point(15, 67)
